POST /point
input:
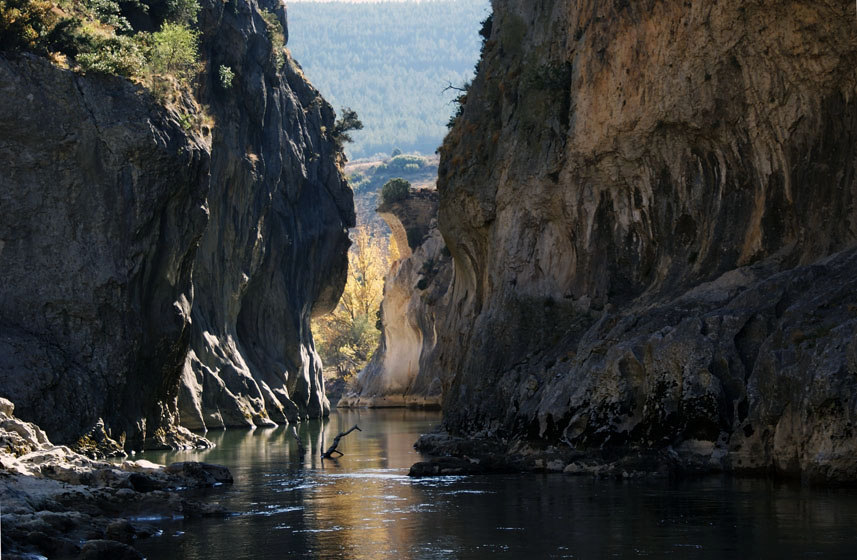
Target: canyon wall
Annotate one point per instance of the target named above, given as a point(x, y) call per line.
point(158, 271)
point(651, 211)
point(416, 284)
point(103, 202)
point(275, 252)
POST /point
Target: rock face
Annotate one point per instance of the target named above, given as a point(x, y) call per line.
point(415, 285)
point(102, 197)
point(154, 274)
point(276, 249)
point(651, 210)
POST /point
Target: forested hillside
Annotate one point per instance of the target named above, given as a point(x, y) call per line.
point(390, 62)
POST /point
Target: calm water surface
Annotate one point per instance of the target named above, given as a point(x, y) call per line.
point(364, 506)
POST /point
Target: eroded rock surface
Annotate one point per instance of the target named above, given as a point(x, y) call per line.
point(103, 202)
point(651, 210)
point(415, 285)
point(275, 251)
point(160, 266)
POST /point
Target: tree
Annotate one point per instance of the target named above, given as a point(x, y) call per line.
point(24, 24)
point(346, 337)
point(182, 11)
point(347, 122)
point(394, 190)
point(174, 50)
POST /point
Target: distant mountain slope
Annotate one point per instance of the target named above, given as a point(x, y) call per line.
point(390, 62)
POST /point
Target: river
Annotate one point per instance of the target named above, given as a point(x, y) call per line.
point(364, 506)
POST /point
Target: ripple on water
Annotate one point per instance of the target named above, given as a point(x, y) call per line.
point(274, 510)
point(397, 475)
point(326, 530)
point(434, 482)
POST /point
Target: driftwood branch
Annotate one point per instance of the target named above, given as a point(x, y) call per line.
point(301, 448)
point(332, 449)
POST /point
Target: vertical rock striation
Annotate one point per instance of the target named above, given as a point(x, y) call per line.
point(102, 204)
point(275, 252)
point(414, 287)
point(651, 211)
point(154, 274)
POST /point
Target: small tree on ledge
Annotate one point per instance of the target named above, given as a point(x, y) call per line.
point(395, 190)
point(347, 122)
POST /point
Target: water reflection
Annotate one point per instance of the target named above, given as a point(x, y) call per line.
point(364, 506)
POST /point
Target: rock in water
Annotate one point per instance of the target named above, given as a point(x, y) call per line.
point(650, 207)
point(59, 503)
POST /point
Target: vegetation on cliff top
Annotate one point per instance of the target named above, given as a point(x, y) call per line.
point(152, 42)
point(394, 190)
point(97, 36)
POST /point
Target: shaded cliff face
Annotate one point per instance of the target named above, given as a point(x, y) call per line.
point(102, 197)
point(155, 275)
point(275, 252)
point(397, 374)
point(637, 198)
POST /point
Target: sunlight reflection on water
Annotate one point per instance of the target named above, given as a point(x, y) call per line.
point(365, 506)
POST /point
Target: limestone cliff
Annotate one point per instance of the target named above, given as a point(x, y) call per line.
point(144, 261)
point(416, 283)
point(651, 211)
point(275, 252)
point(103, 202)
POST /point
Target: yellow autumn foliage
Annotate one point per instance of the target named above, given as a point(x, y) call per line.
point(346, 338)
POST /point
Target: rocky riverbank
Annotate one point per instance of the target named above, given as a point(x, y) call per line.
point(60, 504)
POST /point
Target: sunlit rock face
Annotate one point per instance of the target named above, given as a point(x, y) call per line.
point(651, 211)
point(416, 283)
point(275, 251)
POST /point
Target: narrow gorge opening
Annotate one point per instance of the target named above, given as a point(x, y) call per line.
point(403, 69)
point(618, 253)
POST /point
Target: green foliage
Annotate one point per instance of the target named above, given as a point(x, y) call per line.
point(414, 168)
point(186, 121)
point(275, 34)
point(487, 27)
point(25, 24)
point(68, 37)
point(109, 12)
point(344, 125)
point(97, 37)
point(390, 62)
point(119, 55)
point(182, 11)
point(395, 190)
point(226, 75)
point(175, 51)
point(402, 163)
